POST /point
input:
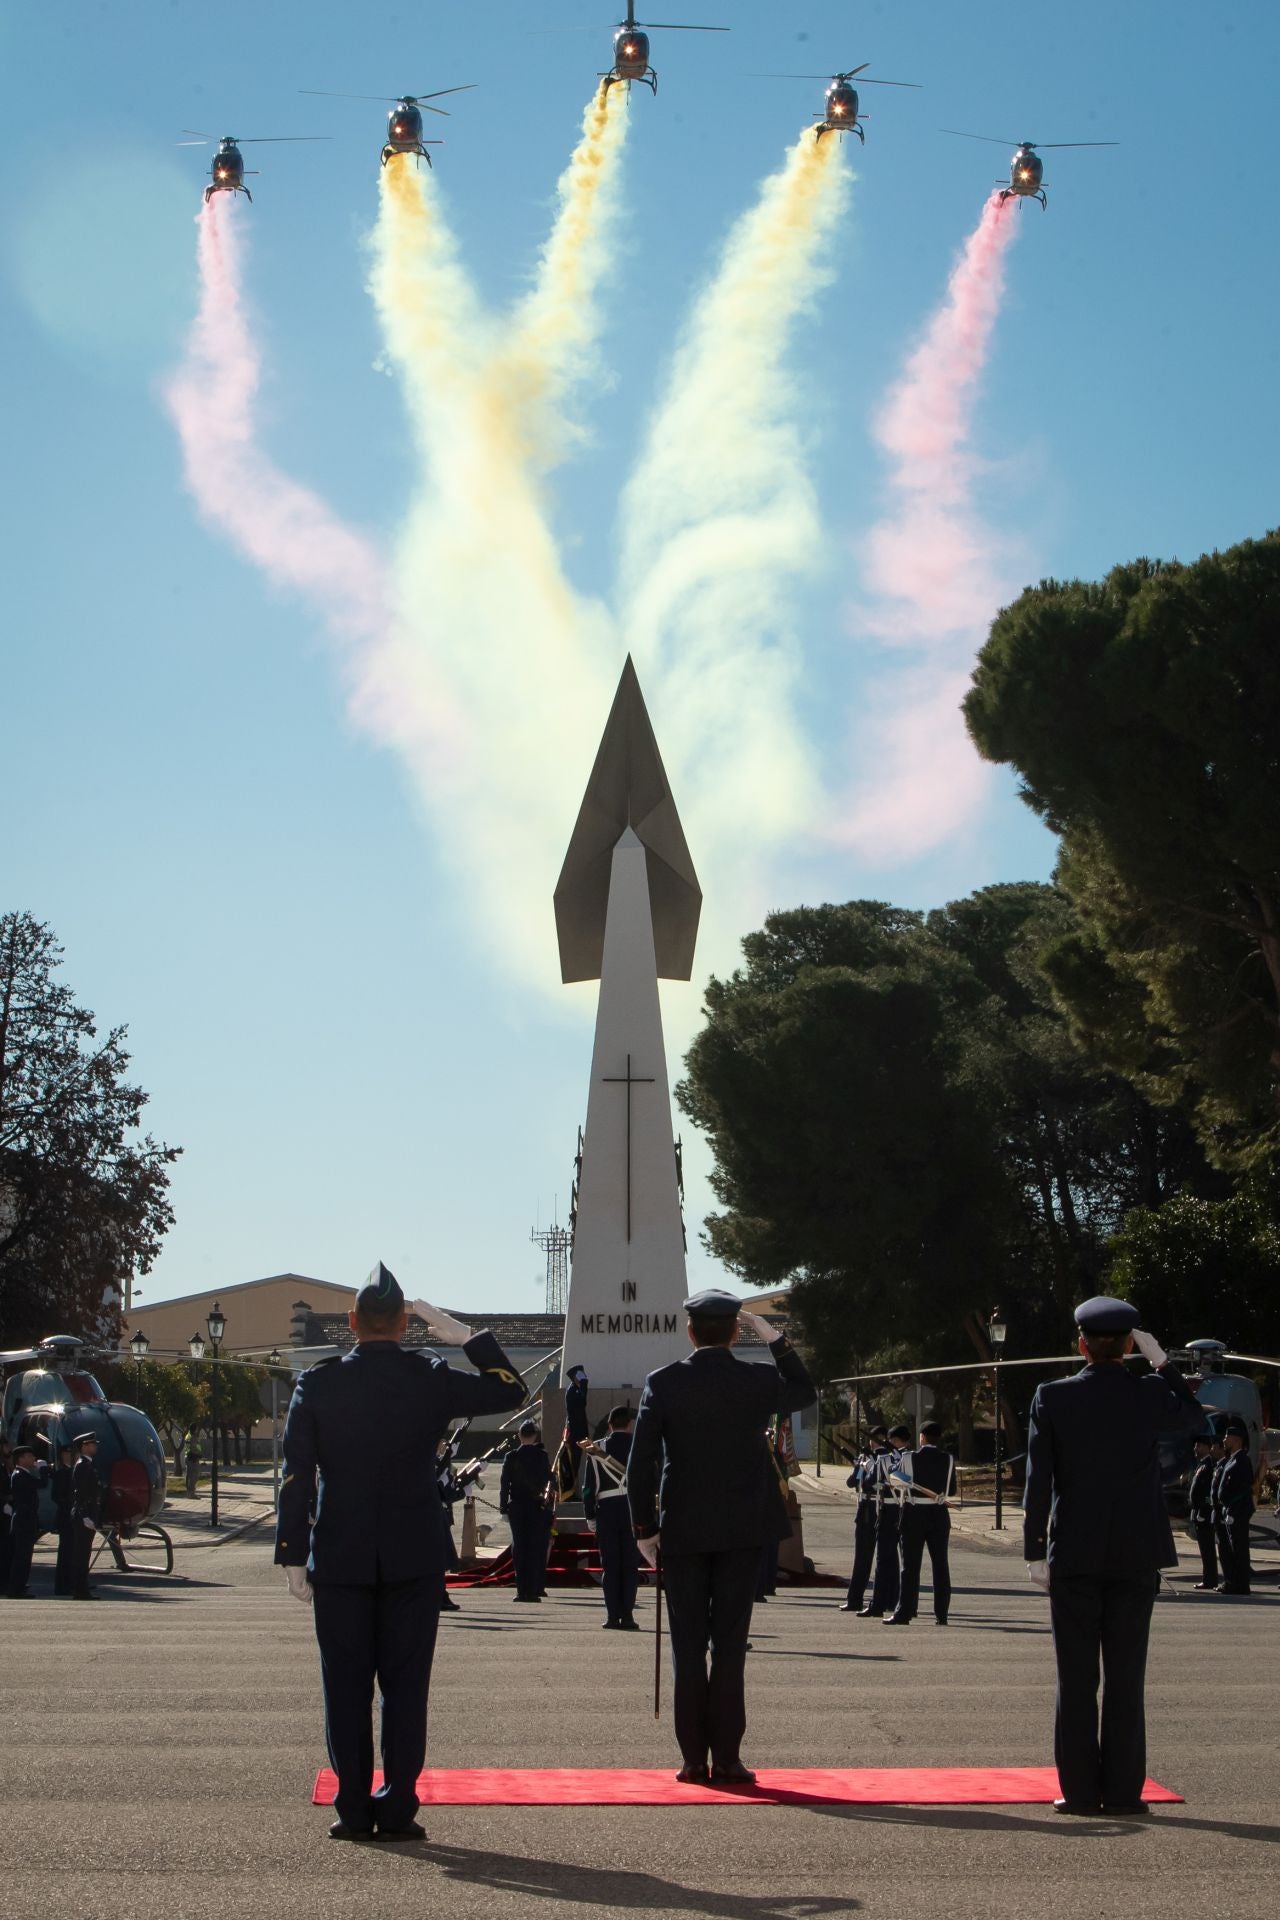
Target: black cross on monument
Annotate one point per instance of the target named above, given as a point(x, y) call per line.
point(628, 1081)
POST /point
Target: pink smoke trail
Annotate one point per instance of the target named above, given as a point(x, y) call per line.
point(283, 527)
point(939, 572)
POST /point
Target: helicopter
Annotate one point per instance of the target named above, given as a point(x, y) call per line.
point(404, 122)
point(52, 1400)
point(226, 174)
point(841, 112)
point(1026, 169)
point(631, 48)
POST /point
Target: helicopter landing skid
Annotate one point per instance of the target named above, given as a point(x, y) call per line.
point(151, 1549)
point(649, 80)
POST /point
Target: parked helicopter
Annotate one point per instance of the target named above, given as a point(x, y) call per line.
point(404, 122)
point(48, 1403)
point(227, 171)
point(1026, 169)
point(841, 113)
point(631, 48)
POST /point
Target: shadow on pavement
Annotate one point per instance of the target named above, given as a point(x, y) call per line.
point(997, 1820)
point(800, 1653)
point(612, 1890)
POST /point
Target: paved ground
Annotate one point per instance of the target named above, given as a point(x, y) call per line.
point(157, 1752)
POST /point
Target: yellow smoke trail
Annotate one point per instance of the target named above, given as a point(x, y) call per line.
point(482, 607)
point(719, 522)
point(554, 329)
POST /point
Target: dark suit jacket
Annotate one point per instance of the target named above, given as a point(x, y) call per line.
point(1233, 1486)
point(360, 1451)
point(699, 1468)
point(86, 1491)
point(1200, 1495)
point(24, 1498)
point(1094, 1503)
point(525, 1473)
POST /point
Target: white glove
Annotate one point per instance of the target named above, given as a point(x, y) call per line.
point(87, 1523)
point(758, 1325)
point(1149, 1347)
point(9, 1510)
point(648, 1548)
point(441, 1325)
point(299, 1586)
point(1038, 1574)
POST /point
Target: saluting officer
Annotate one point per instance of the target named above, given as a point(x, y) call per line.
point(928, 1475)
point(704, 1492)
point(1093, 1463)
point(863, 1479)
point(1200, 1510)
point(360, 1454)
point(86, 1511)
point(1233, 1507)
point(23, 1509)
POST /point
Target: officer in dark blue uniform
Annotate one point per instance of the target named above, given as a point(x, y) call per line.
point(863, 1478)
point(60, 1486)
point(1095, 1513)
point(524, 1502)
point(86, 1512)
point(23, 1507)
point(703, 1489)
point(614, 1532)
point(360, 1530)
point(1233, 1507)
point(928, 1475)
point(887, 1580)
point(1200, 1511)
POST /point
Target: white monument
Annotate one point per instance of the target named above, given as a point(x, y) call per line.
point(627, 906)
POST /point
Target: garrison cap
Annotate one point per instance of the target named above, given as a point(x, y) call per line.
point(1237, 1426)
point(1102, 1314)
point(713, 1303)
point(81, 1438)
point(380, 1293)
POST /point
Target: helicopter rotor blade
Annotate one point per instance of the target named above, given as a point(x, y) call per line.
point(988, 137)
point(917, 84)
point(787, 76)
point(851, 72)
point(382, 99)
point(198, 134)
point(678, 26)
point(1055, 144)
point(193, 143)
point(468, 86)
point(280, 139)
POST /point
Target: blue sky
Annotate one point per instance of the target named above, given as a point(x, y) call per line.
point(239, 874)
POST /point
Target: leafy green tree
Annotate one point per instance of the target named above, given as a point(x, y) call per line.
point(83, 1201)
point(854, 1156)
point(172, 1401)
point(1143, 714)
point(1207, 1269)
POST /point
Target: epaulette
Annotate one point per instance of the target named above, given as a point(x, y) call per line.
point(330, 1360)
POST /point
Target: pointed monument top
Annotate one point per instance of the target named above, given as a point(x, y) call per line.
point(627, 789)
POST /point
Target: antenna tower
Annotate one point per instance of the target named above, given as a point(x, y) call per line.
point(554, 1240)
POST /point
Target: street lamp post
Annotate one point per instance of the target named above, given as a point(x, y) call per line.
point(139, 1345)
point(273, 1362)
point(217, 1325)
point(997, 1329)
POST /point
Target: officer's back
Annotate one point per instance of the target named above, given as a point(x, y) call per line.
point(707, 1415)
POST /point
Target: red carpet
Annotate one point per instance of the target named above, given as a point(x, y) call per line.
point(658, 1787)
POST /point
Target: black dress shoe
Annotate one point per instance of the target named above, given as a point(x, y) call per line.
point(450, 1606)
point(341, 1831)
point(848, 1607)
point(734, 1775)
point(610, 1626)
point(1074, 1806)
point(691, 1775)
point(412, 1832)
point(1206, 1586)
point(941, 1620)
point(1233, 1590)
point(898, 1619)
point(871, 1613)
point(629, 1625)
